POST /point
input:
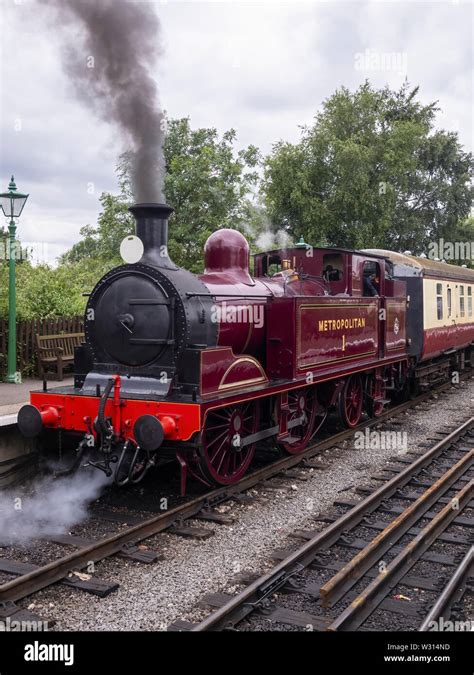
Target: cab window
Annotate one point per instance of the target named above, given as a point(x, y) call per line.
point(271, 265)
point(333, 269)
point(371, 279)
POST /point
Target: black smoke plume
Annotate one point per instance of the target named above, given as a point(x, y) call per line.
point(109, 61)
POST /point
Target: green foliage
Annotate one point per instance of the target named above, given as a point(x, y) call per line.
point(465, 237)
point(208, 184)
point(42, 292)
point(371, 172)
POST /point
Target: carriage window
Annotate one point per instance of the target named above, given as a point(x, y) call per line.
point(439, 300)
point(449, 302)
point(461, 301)
point(333, 269)
point(469, 300)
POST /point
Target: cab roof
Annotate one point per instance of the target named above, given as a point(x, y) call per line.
point(349, 251)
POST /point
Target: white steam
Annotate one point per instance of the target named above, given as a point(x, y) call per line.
point(265, 236)
point(51, 506)
point(269, 240)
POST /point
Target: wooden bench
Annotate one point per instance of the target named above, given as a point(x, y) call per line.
point(57, 350)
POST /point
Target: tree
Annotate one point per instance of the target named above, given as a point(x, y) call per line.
point(207, 182)
point(465, 244)
point(44, 292)
point(371, 172)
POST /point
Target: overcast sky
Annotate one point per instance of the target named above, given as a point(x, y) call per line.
point(263, 68)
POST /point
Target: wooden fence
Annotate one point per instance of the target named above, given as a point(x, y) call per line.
point(26, 332)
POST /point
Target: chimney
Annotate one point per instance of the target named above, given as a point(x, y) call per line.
point(152, 229)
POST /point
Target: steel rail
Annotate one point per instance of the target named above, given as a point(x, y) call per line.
point(45, 575)
point(448, 595)
point(340, 583)
point(244, 603)
point(365, 603)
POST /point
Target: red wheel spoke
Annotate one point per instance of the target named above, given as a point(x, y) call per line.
point(351, 405)
point(221, 416)
point(214, 440)
point(221, 461)
point(221, 447)
point(225, 459)
point(219, 426)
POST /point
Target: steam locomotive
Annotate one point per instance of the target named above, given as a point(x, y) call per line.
point(203, 368)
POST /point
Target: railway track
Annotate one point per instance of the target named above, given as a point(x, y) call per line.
point(29, 578)
point(380, 565)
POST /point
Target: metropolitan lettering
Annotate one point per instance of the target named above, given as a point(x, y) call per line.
point(337, 324)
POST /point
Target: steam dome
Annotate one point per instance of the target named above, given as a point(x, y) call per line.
point(228, 251)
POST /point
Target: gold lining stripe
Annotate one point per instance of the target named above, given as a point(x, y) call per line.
point(242, 383)
point(343, 358)
point(350, 306)
point(243, 359)
point(333, 376)
point(235, 385)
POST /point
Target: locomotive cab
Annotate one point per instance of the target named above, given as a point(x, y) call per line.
point(341, 271)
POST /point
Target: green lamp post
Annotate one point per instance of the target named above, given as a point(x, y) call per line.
point(12, 203)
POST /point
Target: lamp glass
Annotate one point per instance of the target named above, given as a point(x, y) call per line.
point(12, 203)
point(6, 204)
point(19, 202)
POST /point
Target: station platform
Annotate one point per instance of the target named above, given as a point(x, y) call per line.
point(13, 396)
point(13, 446)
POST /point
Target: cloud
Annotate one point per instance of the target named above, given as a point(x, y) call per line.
point(263, 68)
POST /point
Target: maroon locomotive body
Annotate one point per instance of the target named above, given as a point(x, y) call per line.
point(205, 368)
